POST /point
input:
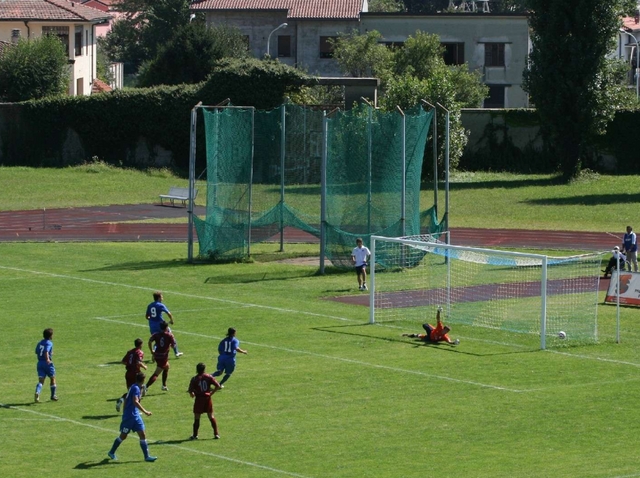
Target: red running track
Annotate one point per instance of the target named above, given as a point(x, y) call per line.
point(108, 223)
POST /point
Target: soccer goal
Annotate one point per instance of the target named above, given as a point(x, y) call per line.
point(508, 291)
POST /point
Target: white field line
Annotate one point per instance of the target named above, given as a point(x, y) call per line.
point(331, 357)
point(160, 442)
point(278, 309)
point(182, 294)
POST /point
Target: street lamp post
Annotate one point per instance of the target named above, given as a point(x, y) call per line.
point(282, 25)
point(637, 72)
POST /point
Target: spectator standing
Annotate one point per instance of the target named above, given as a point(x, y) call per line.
point(630, 248)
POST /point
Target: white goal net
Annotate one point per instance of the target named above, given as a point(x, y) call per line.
point(507, 291)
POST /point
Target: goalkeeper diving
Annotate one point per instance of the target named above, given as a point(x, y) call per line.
point(434, 335)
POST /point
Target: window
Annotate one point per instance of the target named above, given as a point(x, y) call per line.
point(78, 40)
point(284, 46)
point(494, 54)
point(15, 36)
point(453, 53)
point(496, 97)
point(326, 48)
point(61, 32)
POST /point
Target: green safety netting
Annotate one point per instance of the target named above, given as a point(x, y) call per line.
point(265, 176)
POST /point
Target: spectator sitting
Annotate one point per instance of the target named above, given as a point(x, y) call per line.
point(613, 262)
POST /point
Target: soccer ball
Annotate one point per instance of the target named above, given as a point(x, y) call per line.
point(456, 342)
point(562, 335)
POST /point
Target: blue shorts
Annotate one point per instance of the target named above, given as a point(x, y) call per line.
point(46, 370)
point(131, 425)
point(155, 328)
point(226, 363)
point(361, 269)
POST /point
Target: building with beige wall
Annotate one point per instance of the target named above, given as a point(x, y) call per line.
point(72, 22)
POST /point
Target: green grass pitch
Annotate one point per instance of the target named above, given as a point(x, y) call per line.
point(320, 394)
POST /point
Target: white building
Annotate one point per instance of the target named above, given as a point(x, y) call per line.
point(72, 22)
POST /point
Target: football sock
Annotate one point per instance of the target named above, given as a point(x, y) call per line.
point(217, 373)
point(153, 378)
point(175, 349)
point(115, 445)
point(38, 388)
point(214, 425)
point(53, 390)
point(165, 374)
point(145, 447)
point(196, 427)
point(224, 379)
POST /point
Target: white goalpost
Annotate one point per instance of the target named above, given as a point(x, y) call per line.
point(505, 291)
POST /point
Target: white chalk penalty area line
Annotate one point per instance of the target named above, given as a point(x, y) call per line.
point(159, 442)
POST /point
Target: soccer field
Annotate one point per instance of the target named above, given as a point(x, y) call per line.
point(321, 393)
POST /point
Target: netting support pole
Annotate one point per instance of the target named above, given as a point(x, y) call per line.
point(192, 179)
point(403, 205)
point(543, 305)
point(369, 179)
point(323, 190)
point(372, 280)
point(253, 133)
point(434, 133)
point(283, 132)
point(446, 166)
point(618, 302)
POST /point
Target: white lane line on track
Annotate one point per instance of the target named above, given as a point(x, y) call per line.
point(159, 442)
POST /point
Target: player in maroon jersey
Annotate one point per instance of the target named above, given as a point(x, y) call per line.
point(163, 340)
point(200, 388)
point(133, 362)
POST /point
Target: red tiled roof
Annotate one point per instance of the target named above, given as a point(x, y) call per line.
point(61, 10)
point(630, 24)
point(100, 86)
point(302, 9)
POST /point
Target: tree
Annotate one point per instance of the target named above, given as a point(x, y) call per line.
point(572, 84)
point(191, 55)
point(386, 6)
point(420, 73)
point(362, 55)
point(34, 69)
point(435, 6)
point(145, 26)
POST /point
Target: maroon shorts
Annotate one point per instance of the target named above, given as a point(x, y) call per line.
point(130, 377)
point(162, 362)
point(202, 405)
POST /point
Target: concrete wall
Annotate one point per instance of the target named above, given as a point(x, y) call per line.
point(305, 37)
point(474, 30)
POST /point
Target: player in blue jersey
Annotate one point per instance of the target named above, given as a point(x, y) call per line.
point(44, 351)
point(132, 421)
point(227, 349)
point(154, 315)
